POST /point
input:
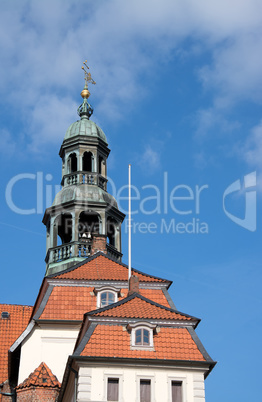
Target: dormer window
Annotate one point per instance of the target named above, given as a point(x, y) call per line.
point(107, 298)
point(142, 335)
point(106, 295)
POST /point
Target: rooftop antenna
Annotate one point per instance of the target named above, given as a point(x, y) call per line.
point(129, 222)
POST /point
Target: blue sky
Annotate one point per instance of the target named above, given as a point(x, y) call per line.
point(179, 96)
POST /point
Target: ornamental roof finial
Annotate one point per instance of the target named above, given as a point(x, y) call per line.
point(88, 79)
point(85, 110)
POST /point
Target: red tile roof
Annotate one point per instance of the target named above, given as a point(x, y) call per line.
point(10, 329)
point(69, 303)
point(156, 295)
point(137, 306)
point(169, 343)
point(41, 377)
point(103, 268)
point(72, 302)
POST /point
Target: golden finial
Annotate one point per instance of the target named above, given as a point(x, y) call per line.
point(88, 79)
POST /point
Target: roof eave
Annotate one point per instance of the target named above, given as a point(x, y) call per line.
point(201, 364)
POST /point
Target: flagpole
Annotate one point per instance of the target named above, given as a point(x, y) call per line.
point(129, 221)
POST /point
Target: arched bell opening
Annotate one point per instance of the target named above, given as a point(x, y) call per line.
point(48, 232)
point(72, 163)
point(101, 166)
point(87, 162)
point(63, 228)
point(89, 224)
point(111, 226)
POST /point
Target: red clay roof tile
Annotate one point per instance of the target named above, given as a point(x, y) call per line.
point(69, 303)
point(41, 377)
point(169, 343)
point(103, 268)
point(78, 300)
point(10, 329)
point(141, 308)
point(156, 295)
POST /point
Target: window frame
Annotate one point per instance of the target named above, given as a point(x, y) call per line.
point(108, 293)
point(114, 375)
point(145, 377)
point(143, 326)
point(142, 342)
point(180, 379)
point(99, 291)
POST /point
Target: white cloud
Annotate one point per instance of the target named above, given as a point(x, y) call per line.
point(253, 149)
point(236, 69)
point(43, 44)
point(50, 119)
point(149, 161)
point(7, 144)
point(251, 152)
point(208, 120)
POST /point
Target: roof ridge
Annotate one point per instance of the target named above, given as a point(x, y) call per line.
point(100, 253)
point(79, 264)
point(15, 304)
point(138, 295)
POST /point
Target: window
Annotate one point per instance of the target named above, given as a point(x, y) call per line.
point(107, 298)
point(176, 391)
point(72, 163)
point(112, 389)
point(145, 390)
point(106, 295)
point(142, 337)
point(87, 162)
point(100, 165)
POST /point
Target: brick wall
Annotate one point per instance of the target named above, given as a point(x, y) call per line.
point(6, 389)
point(37, 394)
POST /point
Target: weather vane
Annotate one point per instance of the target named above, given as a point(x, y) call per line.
point(85, 110)
point(88, 78)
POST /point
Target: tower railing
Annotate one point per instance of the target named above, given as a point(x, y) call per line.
point(83, 177)
point(79, 249)
point(68, 250)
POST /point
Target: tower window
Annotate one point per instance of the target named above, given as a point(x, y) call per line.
point(87, 162)
point(101, 166)
point(107, 298)
point(112, 389)
point(64, 225)
point(111, 225)
point(88, 224)
point(72, 163)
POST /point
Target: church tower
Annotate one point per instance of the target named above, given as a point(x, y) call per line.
point(84, 218)
point(95, 333)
